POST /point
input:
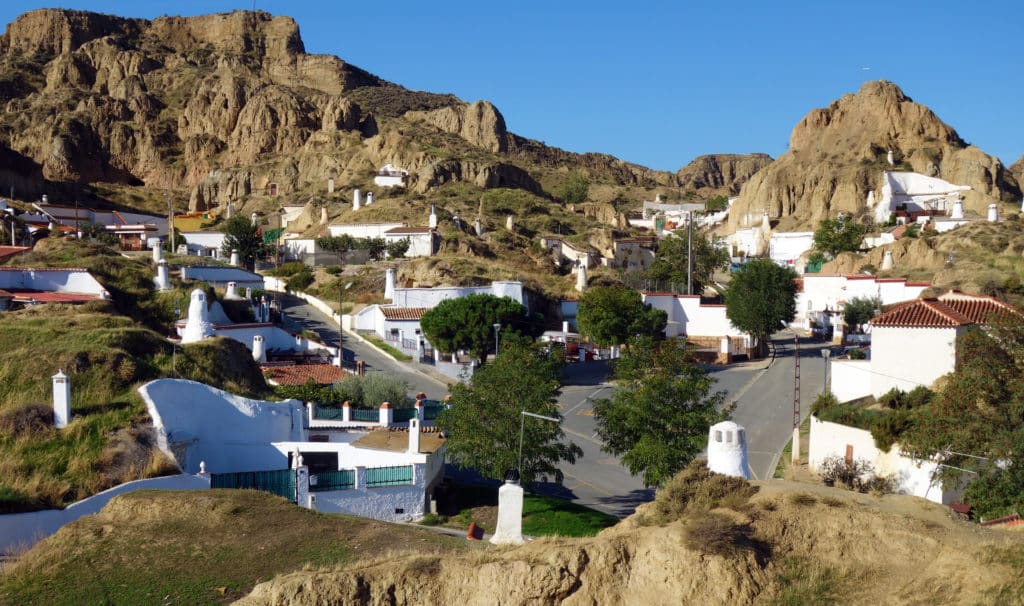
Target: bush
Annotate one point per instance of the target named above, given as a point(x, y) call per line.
point(858, 354)
point(696, 488)
point(853, 475)
point(300, 280)
point(887, 429)
point(350, 389)
point(333, 269)
point(379, 387)
point(288, 269)
point(717, 534)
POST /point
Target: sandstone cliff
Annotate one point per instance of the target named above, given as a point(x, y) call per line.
point(721, 173)
point(837, 155)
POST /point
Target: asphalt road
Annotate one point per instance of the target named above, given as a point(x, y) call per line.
point(762, 391)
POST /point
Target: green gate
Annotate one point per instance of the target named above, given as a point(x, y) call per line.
point(388, 476)
point(280, 482)
point(343, 479)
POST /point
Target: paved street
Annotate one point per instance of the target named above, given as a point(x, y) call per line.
point(763, 393)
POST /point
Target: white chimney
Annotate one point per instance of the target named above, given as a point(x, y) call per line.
point(231, 210)
point(45, 199)
point(234, 257)
point(389, 284)
point(433, 218)
point(330, 185)
point(254, 218)
point(727, 450)
point(259, 349)
point(356, 199)
point(369, 198)
point(323, 214)
point(581, 277)
point(887, 261)
point(890, 159)
point(232, 292)
point(414, 436)
point(61, 400)
point(565, 327)
point(158, 253)
point(993, 213)
point(198, 326)
point(478, 227)
point(510, 223)
point(958, 210)
point(162, 280)
point(509, 529)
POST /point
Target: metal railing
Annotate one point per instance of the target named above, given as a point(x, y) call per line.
point(343, 479)
point(364, 414)
point(326, 413)
point(377, 477)
point(280, 482)
point(402, 415)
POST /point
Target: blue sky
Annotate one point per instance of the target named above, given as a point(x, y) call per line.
point(659, 83)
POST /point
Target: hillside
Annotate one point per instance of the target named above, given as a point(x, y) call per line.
point(704, 541)
point(836, 156)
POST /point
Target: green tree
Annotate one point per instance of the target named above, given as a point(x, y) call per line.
point(240, 234)
point(483, 423)
point(717, 203)
point(468, 323)
point(610, 315)
point(669, 263)
point(340, 245)
point(379, 387)
point(658, 419)
point(860, 310)
point(174, 239)
point(575, 188)
point(398, 248)
point(834, 236)
point(760, 298)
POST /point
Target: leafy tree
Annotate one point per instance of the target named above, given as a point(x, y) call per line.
point(311, 391)
point(658, 419)
point(760, 298)
point(834, 236)
point(717, 203)
point(860, 310)
point(468, 323)
point(375, 247)
point(174, 239)
point(610, 315)
point(484, 419)
point(398, 248)
point(669, 263)
point(241, 235)
point(339, 245)
point(379, 387)
point(575, 188)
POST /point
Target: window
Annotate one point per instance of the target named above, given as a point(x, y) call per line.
point(718, 436)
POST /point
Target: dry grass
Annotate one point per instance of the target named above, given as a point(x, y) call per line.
point(718, 534)
point(696, 489)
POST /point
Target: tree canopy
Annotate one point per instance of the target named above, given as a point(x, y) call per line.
point(834, 236)
point(468, 323)
point(242, 235)
point(760, 298)
point(658, 419)
point(669, 263)
point(860, 310)
point(610, 315)
point(484, 419)
point(575, 188)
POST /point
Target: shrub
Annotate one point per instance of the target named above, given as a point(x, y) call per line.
point(858, 354)
point(824, 401)
point(350, 389)
point(333, 269)
point(717, 534)
point(887, 429)
point(300, 280)
point(25, 421)
point(854, 475)
point(288, 269)
point(695, 488)
point(379, 387)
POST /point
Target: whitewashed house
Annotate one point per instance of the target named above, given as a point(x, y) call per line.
point(391, 176)
point(31, 285)
point(704, 324)
point(913, 344)
point(785, 247)
point(632, 254)
point(422, 240)
point(819, 294)
point(910, 193)
point(204, 243)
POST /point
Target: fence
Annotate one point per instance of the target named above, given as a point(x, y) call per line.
point(280, 482)
point(344, 479)
point(401, 415)
point(327, 414)
point(371, 415)
point(430, 411)
point(377, 477)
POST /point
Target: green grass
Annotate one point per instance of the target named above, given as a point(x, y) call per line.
point(198, 548)
point(544, 516)
point(806, 583)
point(394, 353)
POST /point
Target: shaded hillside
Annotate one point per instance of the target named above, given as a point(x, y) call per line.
point(837, 155)
point(723, 174)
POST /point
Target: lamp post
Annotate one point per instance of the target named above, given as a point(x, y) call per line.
point(826, 353)
point(497, 327)
point(522, 425)
point(174, 346)
point(341, 324)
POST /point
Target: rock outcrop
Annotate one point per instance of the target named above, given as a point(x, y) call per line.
point(479, 123)
point(721, 173)
point(837, 155)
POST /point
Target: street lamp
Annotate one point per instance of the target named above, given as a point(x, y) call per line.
point(341, 325)
point(522, 424)
point(497, 327)
point(826, 353)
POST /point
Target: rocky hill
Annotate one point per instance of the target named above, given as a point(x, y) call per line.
point(221, 107)
point(721, 173)
point(836, 156)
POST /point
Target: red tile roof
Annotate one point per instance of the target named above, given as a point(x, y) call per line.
point(300, 374)
point(948, 311)
point(36, 296)
point(403, 313)
point(7, 252)
point(409, 230)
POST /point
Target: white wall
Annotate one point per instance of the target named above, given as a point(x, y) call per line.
point(350, 456)
point(907, 357)
point(376, 503)
point(274, 337)
point(824, 290)
point(786, 247)
point(686, 316)
point(220, 276)
point(297, 247)
point(363, 230)
point(22, 530)
point(850, 379)
point(195, 422)
point(198, 240)
point(420, 244)
point(912, 476)
point(430, 297)
point(51, 280)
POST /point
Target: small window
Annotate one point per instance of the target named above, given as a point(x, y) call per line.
point(399, 510)
point(728, 437)
point(718, 436)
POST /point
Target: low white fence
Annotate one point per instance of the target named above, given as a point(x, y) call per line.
point(22, 530)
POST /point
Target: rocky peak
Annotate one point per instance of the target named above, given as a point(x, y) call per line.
point(49, 32)
point(479, 123)
point(838, 154)
point(721, 173)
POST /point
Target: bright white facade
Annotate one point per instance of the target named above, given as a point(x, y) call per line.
point(391, 176)
point(830, 292)
point(632, 254)
point(430, 297)
point(204, 243)
point(688, 317)
point(218, 275)
point(76, 281)
point(362, 230)
point(421, 240)
point(786, 247)
point(912, 476)
point(914, 192)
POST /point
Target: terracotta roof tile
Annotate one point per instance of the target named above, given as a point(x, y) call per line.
point(299, 374)
point(403, 313)
point(9, 251)
point(949, 311)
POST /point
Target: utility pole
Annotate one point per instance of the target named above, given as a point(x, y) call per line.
point(796, 398)
point(170, 221)
point(689, 252)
